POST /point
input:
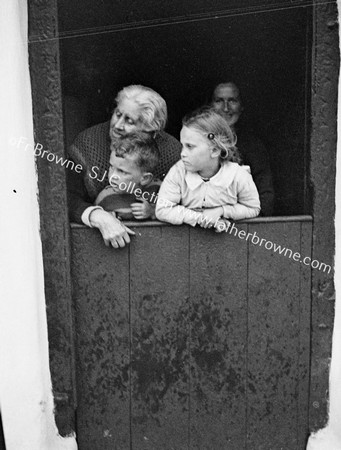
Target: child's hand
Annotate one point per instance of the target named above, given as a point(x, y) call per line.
point(222, 225)
point(210, 216)
point(143, 210)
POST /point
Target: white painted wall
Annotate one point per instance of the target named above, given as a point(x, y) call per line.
point(26, 401)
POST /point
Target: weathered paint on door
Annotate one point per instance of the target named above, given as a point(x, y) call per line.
point(189, 339)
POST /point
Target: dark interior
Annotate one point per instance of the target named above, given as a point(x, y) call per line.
point(182, 50)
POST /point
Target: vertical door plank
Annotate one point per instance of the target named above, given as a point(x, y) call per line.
point(218, 290)
point(100, 277)
point(159, 270)
point(304, 344)
point(273, 339)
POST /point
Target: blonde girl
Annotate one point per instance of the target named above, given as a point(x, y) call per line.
point(207, 185)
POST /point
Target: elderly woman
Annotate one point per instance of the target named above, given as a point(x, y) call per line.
point(226, 100)
point(138, 108)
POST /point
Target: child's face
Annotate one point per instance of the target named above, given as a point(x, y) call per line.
point(196, 152)
point(124, 170)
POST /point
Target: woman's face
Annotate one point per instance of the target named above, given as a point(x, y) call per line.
point(125, 119)
point(226, 100)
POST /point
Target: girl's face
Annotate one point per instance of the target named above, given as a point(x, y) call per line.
point(196, 152)
point(125, 119)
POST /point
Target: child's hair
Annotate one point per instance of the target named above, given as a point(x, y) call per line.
point(211, 124)
point(142, 145)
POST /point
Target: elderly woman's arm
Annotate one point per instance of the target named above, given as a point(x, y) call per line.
point(113, 231)
point(78, 198)
point(82, 210)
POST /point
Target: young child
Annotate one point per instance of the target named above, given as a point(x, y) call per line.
point(207, 185)
point(132, 192)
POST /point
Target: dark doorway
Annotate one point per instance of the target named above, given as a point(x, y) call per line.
point(182, 50)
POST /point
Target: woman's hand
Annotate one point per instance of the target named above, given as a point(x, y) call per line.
point(210, 216)
point(143, 210)
point(113, 231)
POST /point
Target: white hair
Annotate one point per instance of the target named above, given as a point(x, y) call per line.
point(152, 106)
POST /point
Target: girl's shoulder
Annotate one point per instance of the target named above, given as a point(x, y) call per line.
point(178, 169)
point(236, 172)
point(238, 169)
point(233, 167)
